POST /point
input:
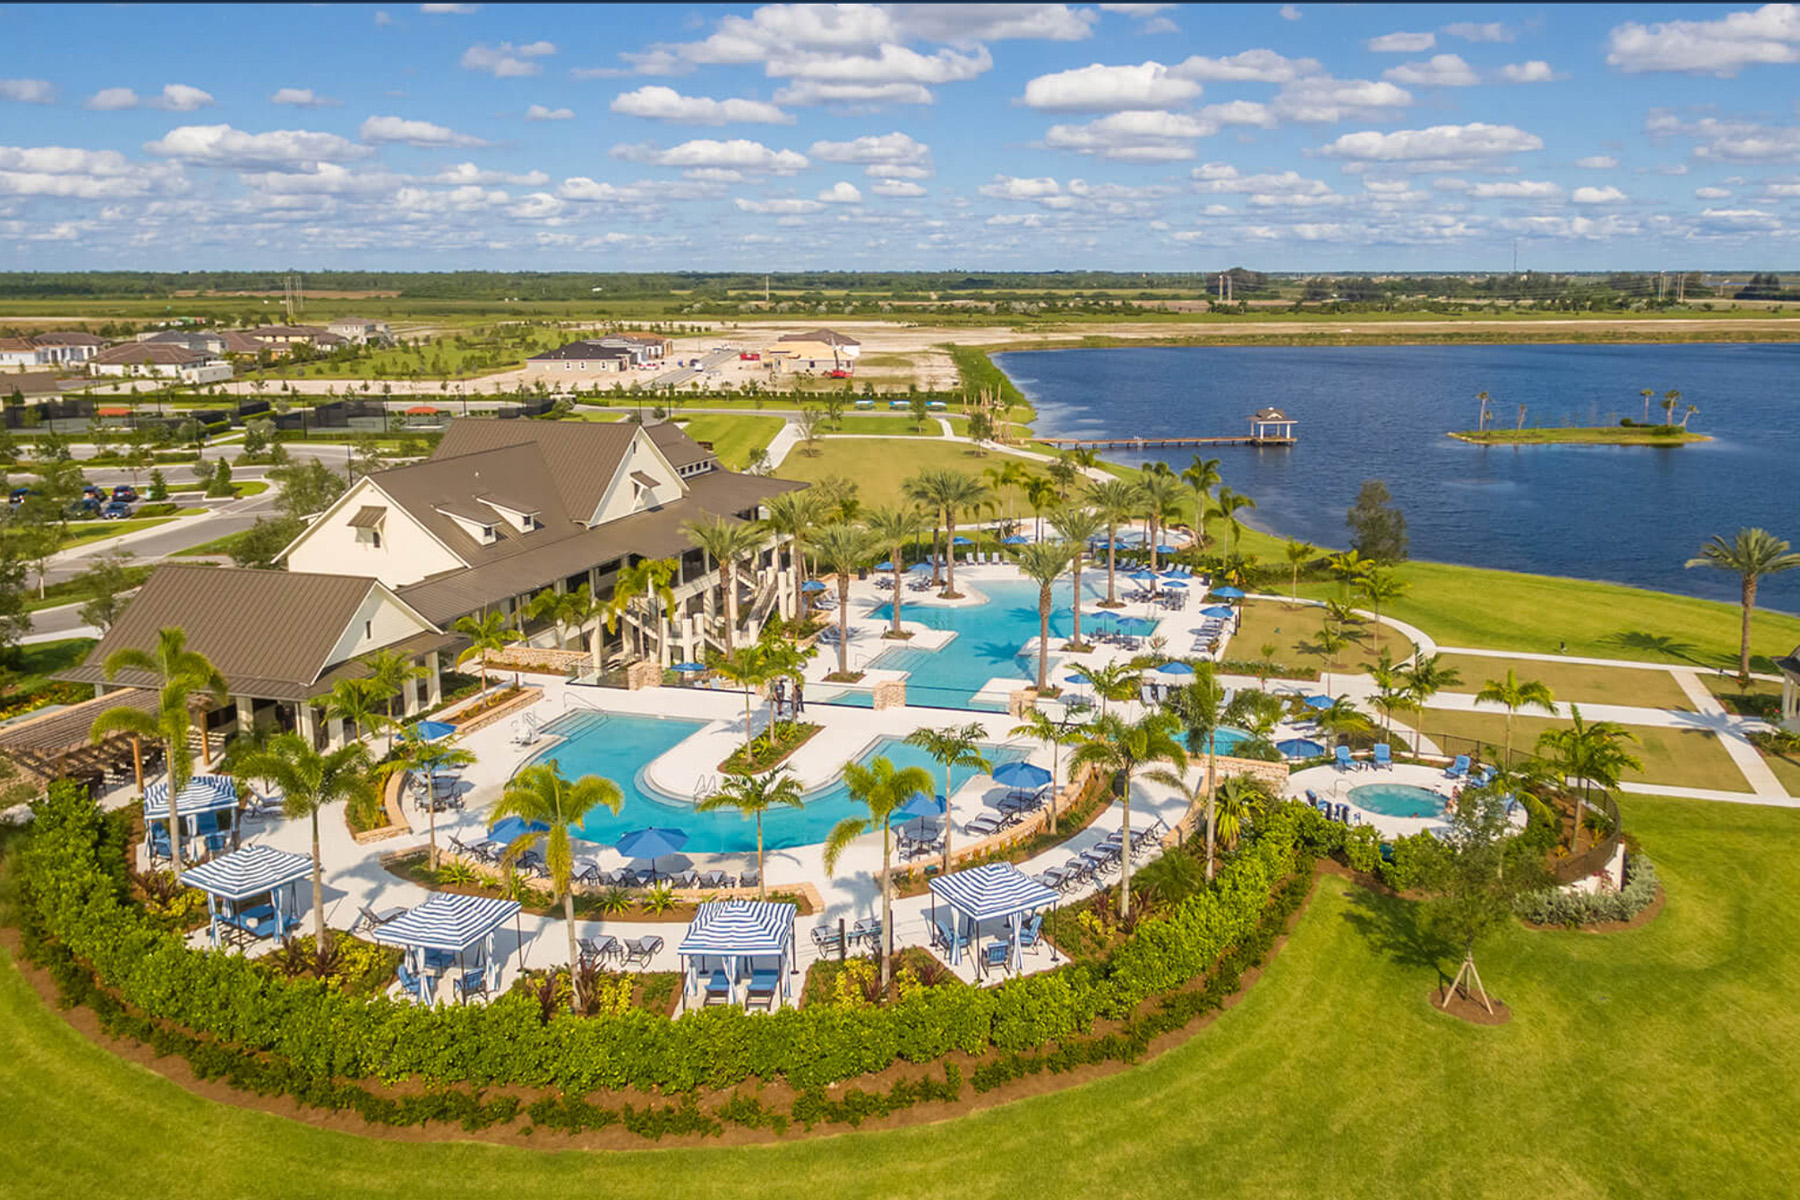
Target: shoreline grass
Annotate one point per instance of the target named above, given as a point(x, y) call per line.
point(1579, 435)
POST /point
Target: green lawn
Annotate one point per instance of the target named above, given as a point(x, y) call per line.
point(1675, 757)
point(40, 660)
point(1576, 682)
point(1294, 633)
point(879, 467)
point(734, 438)
point(223, 545)
point(895, 426)
point(1787, 770)
point(70, 591)
point(83, 532)
point(1589, 435)
point(1657, 1062)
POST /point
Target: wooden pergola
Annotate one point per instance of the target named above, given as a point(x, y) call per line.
point(58, 744)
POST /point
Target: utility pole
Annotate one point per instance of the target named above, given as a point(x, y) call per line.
point(765, 289)
point(1515, 269)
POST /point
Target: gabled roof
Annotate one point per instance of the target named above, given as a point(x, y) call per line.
point(580, 459)
point(270, 633)
point(830, 337)
point(68, 338)
point(676, 446)
point(1790, 666)
point(441, 488)
point(13, 343)
point(590, 349)
point(29, 383)
point(149, 352)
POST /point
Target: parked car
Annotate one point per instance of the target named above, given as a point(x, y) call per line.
point(84, 508)
point(840, 373)
point(126, 493)
point(94, 492)
point(19, 493)
point(750, 356)
point(116, 510)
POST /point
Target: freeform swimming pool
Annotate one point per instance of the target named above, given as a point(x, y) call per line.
point(619, 746)
point(1397, 800)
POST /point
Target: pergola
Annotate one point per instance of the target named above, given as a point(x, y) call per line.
point(990, 892)
point(737, 932)
point(247, 874)
point(57, 744)
point(436, 934)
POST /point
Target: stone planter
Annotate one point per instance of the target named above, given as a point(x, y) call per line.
point(641, 675)
point(889, 693)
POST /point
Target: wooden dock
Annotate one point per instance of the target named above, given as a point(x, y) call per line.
point(1161, 443)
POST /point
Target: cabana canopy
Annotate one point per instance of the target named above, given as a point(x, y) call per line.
point(737, 929)
point(203, 793)
point(448, 922)
point(991, 892)
point(248, 872)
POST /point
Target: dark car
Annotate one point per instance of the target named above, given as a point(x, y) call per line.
point(94, 491)
point(19, 493)
point(117, 510)
point(84, 508)
point(126, 493)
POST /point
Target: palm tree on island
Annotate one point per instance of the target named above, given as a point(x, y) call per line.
point(842, 549)
point(1753, 555)
point(753, 795)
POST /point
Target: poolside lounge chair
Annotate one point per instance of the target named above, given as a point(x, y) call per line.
point(1052, 878)
point(718, 989)
point(639, 951)
point(1457, 769)
point(764, 986)
point(587, 871)
point(1383, 758)
point(941, 938)
point(825, 940)
point(867, 929)
point(687, 879)
point(715, 879)
point(1344, 762)
point(986, 825)
point(370, 920)
point(597, 950)
point(260, 808)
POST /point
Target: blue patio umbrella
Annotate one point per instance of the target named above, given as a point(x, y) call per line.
point(884, 566)
point(1300, 748)
point(920, 566)
point(511, 829)
point(1162, 549)
point(921, 804)
point(688, 668)
point(960, 540)
point(812, 585)
point(1174, 668)
point(430, 731)
point(652, 843)
point(1220, 612)
point(1077, 679)
point(1021, 775)
point(1015, 540)
point(1174, 583)
point(1319, 702)
point(1228, 593)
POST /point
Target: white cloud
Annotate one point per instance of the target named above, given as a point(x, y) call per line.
point(1440, 70)
point(1534, 71)
point(1439, 142)
point(1712, 193)
point(78, 174)
point(1250, 66)
point(1597, 195)
point(888, 155)
point(278, 149)
point(808, 92)
point(1401, 43)
point(1098, 88)
point(463, 10)
point(179, 97)
point(841, 192)
point(302, 98)
point(1008, 187)
point(1137, 11)
point(897, 187)
point(1239, 112)
point(779, 207)
point(1728, 140)
point(1469, 31)
point(1516, 189)
point(539, 112)
point(383, 18)
point(111, 100)
point(1147, 136)
point(379, 130)
point(1290, 13)
point(1597, 162)
point(468, 174)
point(507, 61)
point(658, 103)
point(890, 64)
point(964, 23)
point(737, 154)
point(28, 91)
point(1323, 100)
point(1221, 177)
point(1770, 34)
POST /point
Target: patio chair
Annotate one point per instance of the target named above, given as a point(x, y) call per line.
point(261, 808)
point(1457, 769)
point(1383, 757)
point(1031, 933)
point(589, 872)
point(597, 950)
point(715, 879)
point(471, 981)
point(764, 987)
point(983, 826)
point(994, 957)
point(639, 951)
point(867, 929)
point(1343, 813)
point(825, 940)
point(941, 938)
point(367, 918)
point(532, 863)
point(717, 989)
point(687, 879)
point(413, 987)
point(1052, 878)
point(1343, 760)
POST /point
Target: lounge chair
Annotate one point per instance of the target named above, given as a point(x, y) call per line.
point(764, 986)
point(589, 872)
point(689, 879)
point(1344, 762)
point(1383, 757)
point(750, 878)
point(1457, 769)
point(867, 929)
point(261, 808)
point(715, 879)
point(825, 940)
point(986, 825)
point(367, 918)
point(942, 938)
point(597, 950)
point(1052, 878)
point(471, 981)
point(639, 951)
point(995, 956)
point(718, 989)
point(1031, 933)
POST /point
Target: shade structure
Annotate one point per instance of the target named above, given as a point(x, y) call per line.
point(1300, 748)
point(812, 585)
point(736, 930)
point(884, 566)
point(960, 540)
point(990, 892)
point(1174, 668)
point(1173, 583)
point(1319, 702)
point(652, 843)
point(243, 874)
point(430, 731)
point(921, 804)
point(1021, 775)
point(920, 566)
point(450, 924)
point(689, 668)
point(1219, 612)
point(1228, 593)
point(203, 793)
point(511, 829)
point(1015, 540)
point(1142, 576)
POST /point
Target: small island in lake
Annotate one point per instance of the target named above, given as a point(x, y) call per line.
point(1587, 435)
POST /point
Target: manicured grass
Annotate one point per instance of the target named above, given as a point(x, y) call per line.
point(223, 545)
point(1674, 757)
point(734, 438)
point(40, 660)
point(83, 532)
point(1295, 632)
point(1591, 435)
point(899, 425)
point(878, 467)
point(1576, 682)
point(1656, 1062)
point(1787, 770)
point(1727, 685)
point(69, 591)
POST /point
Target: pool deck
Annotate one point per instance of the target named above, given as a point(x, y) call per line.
point(1333, 784)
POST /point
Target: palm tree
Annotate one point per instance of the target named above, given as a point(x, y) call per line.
point(750, 667)
point(1331, 640)
point(415, 755)
point(893, 527)
point(540, 794)
point(881, 788)
point(1646, 393)
point(754, 795)
point(1199, 706)
point(1116, 501)
point(1009, 475)
point(645, 581)
point(1590, 753)
point(1425, 678)
point(725, 542)
point(1342, 719)
point(924, 489)
point(389, 673)
point(1037, 723)
point(1379, 587)
point(1670, 399)
point(1391, 692)
point(1298, 552)
point(1237, 801)
point(957, 492)
point(487, 635)
point(1125, 748)
point(843, 549)
point(309, 781)
point(1481, 398)
point(1229, 503)
point(186, 675)
point(1754, 554)
point(792, 515)
point(1044, 562)
point(1203, 476)
point(1117, 680)
point(1161, 497)
point(952, 747)
point(354, 702)
point(1042, 495)
point(1516, 693)
point(1078, 524)
point(578, 608)
point(551, 605)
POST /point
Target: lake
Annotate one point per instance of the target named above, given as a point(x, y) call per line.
point(1630, 514)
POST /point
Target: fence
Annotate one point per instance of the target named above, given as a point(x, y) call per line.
point(1595, 857)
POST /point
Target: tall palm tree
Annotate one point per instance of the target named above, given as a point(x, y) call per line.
point(1079, 525)
point(754, 795)
point(1037, 723)
point(958, 493)
point(750, 667)
point(1042, 495)
point(389, 673)
point(1391, 692)
point(487, 635)
point(1591, 752)
point(1425, 678)
point(415, 755)
point(1381, 586)
point(1670, 399)
point(1006, 477)
point(1117, 680)
point(1331, 640)
point(1516, 693)
point(1228, 504)
point(953, 746)
point(843, 549)
point(1044, 563)
point(1125, 748)
point(551, 605)
point(644, 582)
point(1646, 393)
point(1116, 501)
point(894, 526)
point(1200, 707)
point(1160, 494)
point(1298, 553)
point(1202, 476)
point(580, 609)
point(792, 515)
point(354, 702)
point(726, 542)
point(1237, 802)
point(309, 781)
point(1343, 718)
point(540, 794)
point(1753, 555)
point(187, 677)
point(1481, 398)
point(881, 788)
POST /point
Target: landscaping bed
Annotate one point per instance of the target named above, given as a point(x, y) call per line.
point(770, 748)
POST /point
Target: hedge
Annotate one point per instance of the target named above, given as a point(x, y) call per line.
point(76, 904)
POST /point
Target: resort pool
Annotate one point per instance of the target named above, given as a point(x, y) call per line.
point(619, 746)
point(1397, 800)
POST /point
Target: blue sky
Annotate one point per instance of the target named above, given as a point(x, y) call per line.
point(1031, 137)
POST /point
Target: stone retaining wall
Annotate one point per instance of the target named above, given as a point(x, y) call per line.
point(525, 699)
point(540, 660)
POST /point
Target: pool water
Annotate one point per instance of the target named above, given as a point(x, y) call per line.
point(619, 747)
point(1397, 800)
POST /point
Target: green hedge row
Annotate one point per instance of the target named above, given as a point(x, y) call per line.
point(73, 882)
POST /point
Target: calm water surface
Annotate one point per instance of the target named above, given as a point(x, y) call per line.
point(1632, 514)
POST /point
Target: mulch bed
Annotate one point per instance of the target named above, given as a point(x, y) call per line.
point(1468, 1008)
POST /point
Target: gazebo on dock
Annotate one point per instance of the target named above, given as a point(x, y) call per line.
point(1271, 425)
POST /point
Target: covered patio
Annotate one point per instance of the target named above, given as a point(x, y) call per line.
point(254, 873)
point(437, 937)
point(991, 894)
point(745, 937)
point(208, 806)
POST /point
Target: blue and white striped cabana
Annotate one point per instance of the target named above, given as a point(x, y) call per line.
point(201, 795)
point(446, 925)
point(737, 932)
point(990, 892)
point(248, 874)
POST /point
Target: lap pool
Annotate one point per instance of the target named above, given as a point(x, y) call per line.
point(1397, 800)
point(619, 746)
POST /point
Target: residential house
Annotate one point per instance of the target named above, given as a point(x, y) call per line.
point(815, 350)
point(29, 385)
point(160, 361)
point(361, 331)
point(19, 352)
point(67, 348)
point(210, 342)
point(288, 336)
point(581, 359)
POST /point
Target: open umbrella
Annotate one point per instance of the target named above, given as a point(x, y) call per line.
point(1174, 583)
point(960, 540)
point(1221, 612)
point(652, 843)
point(1015, 540)
point(1141, 576)
point(511, 829)
point(1300, 748)
point(1021, 775)
point(921, 804)
point(812, 585)
point(1319, 702)
point(920, 566)
point(1228, 593)
point(1077, 680)
point(1174, 668)
point(689, 668)
point(431, 731)
point(884, 566)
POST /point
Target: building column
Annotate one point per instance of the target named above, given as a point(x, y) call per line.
point(409, 697)
point(334, 733)
point(306, 720)
point(434, 680)
point(246, 714)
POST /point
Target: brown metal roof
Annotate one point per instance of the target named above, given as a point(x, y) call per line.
point(29, 383)
point(368, 516)
point(148, 352)
point(579, 458)
point(270, 633)
point(830, 337)
point(442, 485)
point(676, 446)
point(68, 337)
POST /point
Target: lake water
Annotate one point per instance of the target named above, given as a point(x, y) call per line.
point(1631, 514)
